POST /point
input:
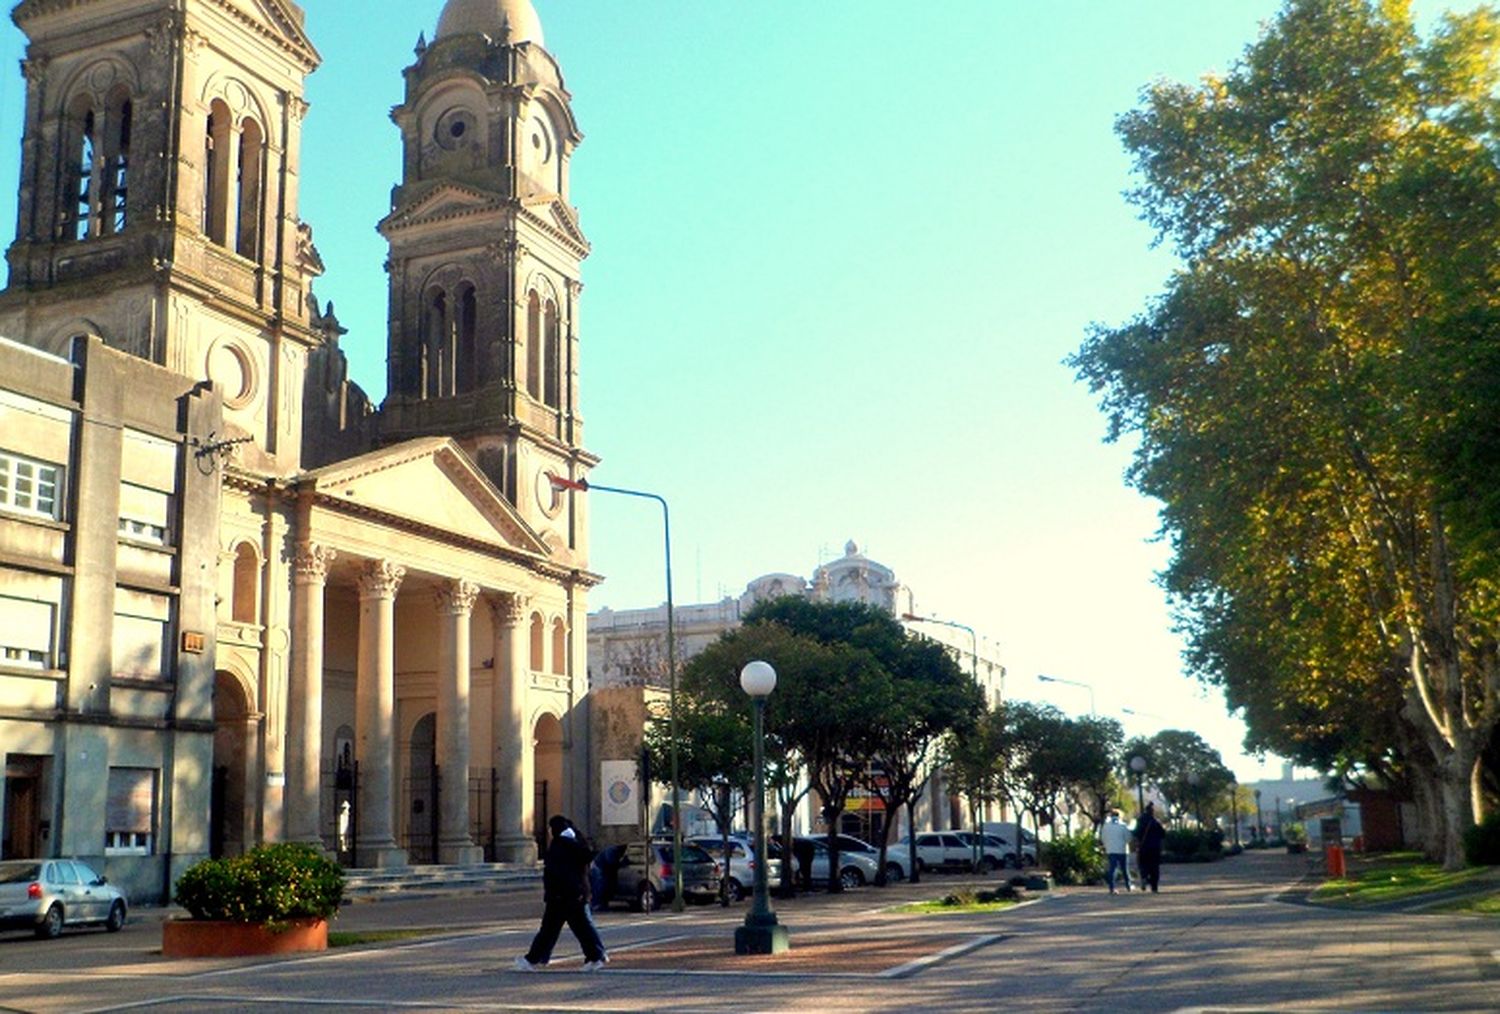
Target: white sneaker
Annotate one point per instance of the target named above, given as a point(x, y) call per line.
point(522, 965)
point(594, 966)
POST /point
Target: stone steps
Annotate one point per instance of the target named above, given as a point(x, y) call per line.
point(363, 884)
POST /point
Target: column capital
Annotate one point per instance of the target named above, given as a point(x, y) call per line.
point(510, 609)
point(310, 565)
point(380, 579)
point(457, 597)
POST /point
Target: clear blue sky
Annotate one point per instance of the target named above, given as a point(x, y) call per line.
point(840, 250)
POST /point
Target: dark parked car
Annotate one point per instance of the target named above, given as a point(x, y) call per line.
point(46, 895)
point(641, 873)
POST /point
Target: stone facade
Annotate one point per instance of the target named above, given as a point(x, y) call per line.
point(369, 619)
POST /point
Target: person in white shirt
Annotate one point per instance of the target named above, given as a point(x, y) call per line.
point(1116, 839)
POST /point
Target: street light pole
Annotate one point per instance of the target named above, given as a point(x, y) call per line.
point(1072, 683)
point(584, 486)
point(974, 675)
point(761, 933)
point(1260, 823)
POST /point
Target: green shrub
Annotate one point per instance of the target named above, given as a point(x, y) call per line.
point(1075, 859)
point(270, 884)
point(1482, 843)
point(1191, 845)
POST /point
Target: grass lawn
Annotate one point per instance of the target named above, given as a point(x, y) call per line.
point(1395, 876)
point(1480, 904)
point(964, 901)
point(348, 938)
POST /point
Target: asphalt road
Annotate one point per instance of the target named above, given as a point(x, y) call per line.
point(1218, 937)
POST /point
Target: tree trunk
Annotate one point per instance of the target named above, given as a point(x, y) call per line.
point(911, 833)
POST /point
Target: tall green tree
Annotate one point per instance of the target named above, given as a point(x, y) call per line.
point(930, 696)
point(839, 722)
point(1304, 390)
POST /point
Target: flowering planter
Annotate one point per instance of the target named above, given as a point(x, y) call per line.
point(207, 938)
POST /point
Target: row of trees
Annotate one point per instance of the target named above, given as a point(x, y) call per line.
point(860, 704)
point(1314, 393)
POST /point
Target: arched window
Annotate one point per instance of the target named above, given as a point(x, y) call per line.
point(216, 145)
point(538, 637)
point(78, 195)
point(248, 190)
point(244, 607)
point(534, 344)
point(554, 356)
point(466, 368)
point(116, 178)
point(559, 648)
point(435, 346)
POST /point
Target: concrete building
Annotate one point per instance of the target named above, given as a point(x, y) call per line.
point(245, 604)
point(627, 666)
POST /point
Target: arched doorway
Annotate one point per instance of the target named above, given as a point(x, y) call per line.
point(422, 792)
point(231, 827)
point(547, 740)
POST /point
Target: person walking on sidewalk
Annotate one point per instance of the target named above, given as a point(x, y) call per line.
point(1115, 837)
point(1149, 835)
point(565, 894)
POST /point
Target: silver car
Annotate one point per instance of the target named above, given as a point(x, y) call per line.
point(46, 895)
point(856, 869)
point(741, 866)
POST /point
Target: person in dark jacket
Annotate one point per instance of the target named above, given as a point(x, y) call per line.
point(1149, 835)
point(565, 893)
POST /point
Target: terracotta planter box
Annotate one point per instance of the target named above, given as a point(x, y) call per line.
point(203, 938)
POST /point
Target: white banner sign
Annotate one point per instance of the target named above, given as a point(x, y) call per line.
point(620, 792)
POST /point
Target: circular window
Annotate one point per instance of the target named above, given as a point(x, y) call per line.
point(454, 128)
point(232, 370)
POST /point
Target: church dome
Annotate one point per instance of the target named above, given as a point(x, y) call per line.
point(513, 21)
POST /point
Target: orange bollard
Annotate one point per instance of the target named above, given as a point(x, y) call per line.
point(1334, 854)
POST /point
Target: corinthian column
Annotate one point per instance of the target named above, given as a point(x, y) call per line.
point(375, 707)
point(304, 783)
point(455, 605)
point(508, 727)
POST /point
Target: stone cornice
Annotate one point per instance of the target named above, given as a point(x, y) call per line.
point(286, 34)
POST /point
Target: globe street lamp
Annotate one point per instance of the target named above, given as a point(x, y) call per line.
point(1138, 765)
point(761, 934)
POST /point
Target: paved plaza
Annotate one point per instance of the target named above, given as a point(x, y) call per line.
point(1229, 936)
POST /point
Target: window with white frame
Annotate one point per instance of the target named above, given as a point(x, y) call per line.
point(130, 812)
point(29, 486)
point(25, 633)
point(144, 514)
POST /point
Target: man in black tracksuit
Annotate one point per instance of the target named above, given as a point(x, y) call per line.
point(565, 890)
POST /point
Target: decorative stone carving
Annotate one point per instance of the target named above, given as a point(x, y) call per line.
point(510, 610)
point(380, 580)
point(457, 597)
point(35, 68)
point(159, 38)
point(311, 563)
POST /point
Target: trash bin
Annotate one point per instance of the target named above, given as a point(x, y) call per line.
point(1334, 854)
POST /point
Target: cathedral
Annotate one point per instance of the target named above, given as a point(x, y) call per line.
point(239, 602)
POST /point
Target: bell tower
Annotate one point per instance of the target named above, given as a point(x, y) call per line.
point(158, 198)
point(485, 259)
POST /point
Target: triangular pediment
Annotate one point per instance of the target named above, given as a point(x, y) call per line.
point(277, 15)
point(431, 483)
point(443, 201)
point(553, 212)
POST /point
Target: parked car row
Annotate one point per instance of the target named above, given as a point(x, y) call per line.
point(640, 874)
